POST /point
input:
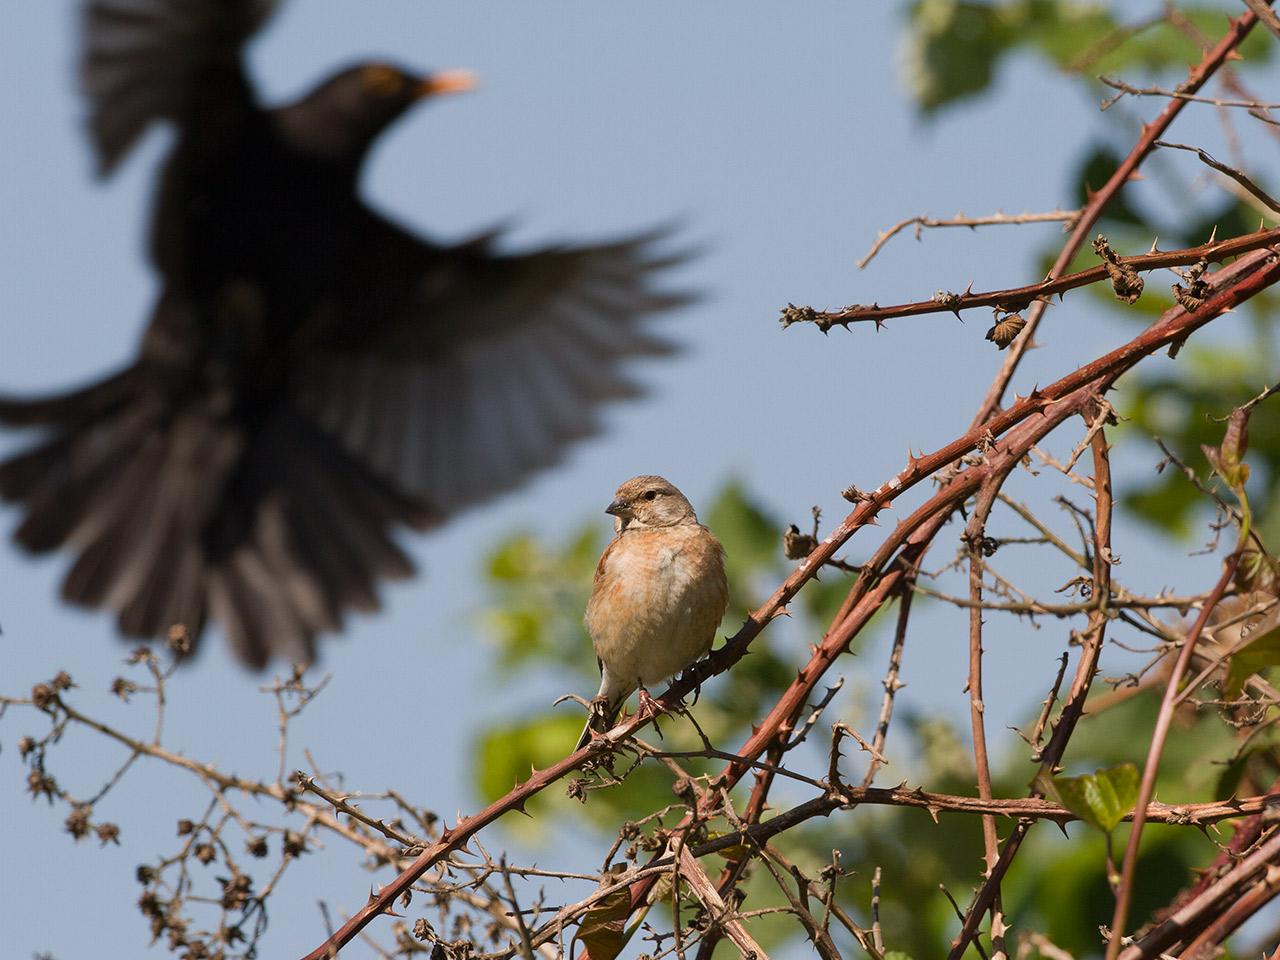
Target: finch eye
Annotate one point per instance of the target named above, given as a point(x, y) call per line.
point(650, 494)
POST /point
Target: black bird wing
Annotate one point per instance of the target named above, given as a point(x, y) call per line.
point(177, 511)
point(145, 60)
point(489, 365)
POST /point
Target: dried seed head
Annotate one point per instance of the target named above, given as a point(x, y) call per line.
point(235, 892)
point(43, 696)
point(793, 314)
point(295, 845)
point(178, 640)
point(77, 822)
point(40, 783)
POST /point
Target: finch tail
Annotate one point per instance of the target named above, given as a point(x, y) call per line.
point(600, 721)
point(605, 707)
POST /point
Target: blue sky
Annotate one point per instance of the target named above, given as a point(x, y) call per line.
point(780, 143)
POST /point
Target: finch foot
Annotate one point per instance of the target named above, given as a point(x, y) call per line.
point(685, 675)
point(647, 702)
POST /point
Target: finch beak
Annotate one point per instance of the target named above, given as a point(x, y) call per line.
point(448, 81)
point(618, 508)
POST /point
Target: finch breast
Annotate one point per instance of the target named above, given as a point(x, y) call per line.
point(660, 596)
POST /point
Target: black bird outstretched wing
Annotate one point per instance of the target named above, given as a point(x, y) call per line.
point(143, 60)
point(177, 512)
point(493, 363)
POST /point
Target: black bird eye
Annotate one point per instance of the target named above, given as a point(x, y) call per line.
point(650, 494)
point(382, 81)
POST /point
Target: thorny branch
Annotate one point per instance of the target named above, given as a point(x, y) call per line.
point(484, 907)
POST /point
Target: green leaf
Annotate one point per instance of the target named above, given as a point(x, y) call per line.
point(1101, 798)
point(951, 50)
point(1261, 652)
point(752, 539)
point(507, 753)
point(953, 47)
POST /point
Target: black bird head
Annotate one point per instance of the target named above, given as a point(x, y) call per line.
point(341, 118)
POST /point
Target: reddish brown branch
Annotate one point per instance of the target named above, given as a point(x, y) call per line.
point(1206, 907)
point(975, 532)
point(1018, 298)
point(1164, 718)
point(1037, 808)
point(1071, 394)
point(1209, 64)
point(1233, 285)
point(1086, 669)
point(960, 220)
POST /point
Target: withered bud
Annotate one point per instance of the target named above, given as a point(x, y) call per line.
point(178, 640)
point(206, 853)
point(185, 827)
point(43, 696)
point(145, 873)
point(683, 788)
point(25, 746)
point(62, 681)
point(423, 931)
point(1006, 329)
point(854, 495)
point(1193, 295)
point(123, 688)
point(40, 783)
point(797, 545)
point(139, 654)
point(151, 905)
point(1125, 281)
point(77, 822)
point(257, 847)
point(1187, 297)
point(108, 833)
point(235, 892)
point(793, 314)
point(294, 844)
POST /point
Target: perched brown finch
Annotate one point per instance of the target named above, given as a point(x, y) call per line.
point(659, 594)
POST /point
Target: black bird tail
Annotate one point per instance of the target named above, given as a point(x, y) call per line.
point(114, 476)
point(69, 407)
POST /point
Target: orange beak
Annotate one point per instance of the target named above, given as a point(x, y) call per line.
point(448, 81)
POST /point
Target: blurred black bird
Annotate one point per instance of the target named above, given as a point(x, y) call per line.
point(313, 376)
